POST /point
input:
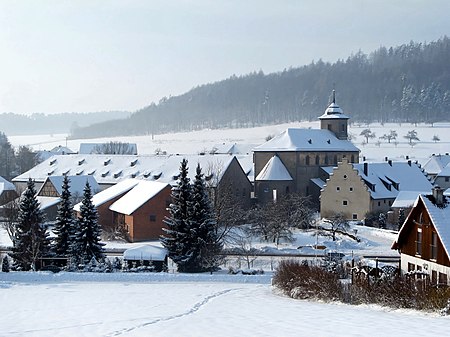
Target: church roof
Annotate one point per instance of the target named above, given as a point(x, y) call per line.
point(296, 139)
point(333, 111)
point(274, 170)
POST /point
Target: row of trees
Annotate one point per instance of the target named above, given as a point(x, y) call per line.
point(408, 83)
point(392, 135)
point(15, 161)
point(78, 240)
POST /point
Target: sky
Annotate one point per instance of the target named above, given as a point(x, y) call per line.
point(98, 55)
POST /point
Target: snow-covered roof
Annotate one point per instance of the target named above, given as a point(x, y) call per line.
point(137, 196)
point(439, 217)
point(77, 184)
point(333, 112)
point(5, 185)
point(110, 193)
point(319, 182)
point(46, 202)
point(274, 170)
point(61, 150)
point(297, 139)
point(146, 252)
point(110, 169)
point(406, 199)
point(436, 163)
point(233, 148)
point(386, 179)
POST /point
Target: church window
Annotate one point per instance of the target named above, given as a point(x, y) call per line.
point(353, 159)
point(335, 160)
point(307, 160)
point(317, 160)
point(326, 160)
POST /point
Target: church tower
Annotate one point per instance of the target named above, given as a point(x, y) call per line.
point(334, 120)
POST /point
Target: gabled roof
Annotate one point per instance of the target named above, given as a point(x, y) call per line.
point(406, 199)
point(110, 169)
point(386, 179)
point(137, 196)
point(77, 184)
point(5, 185)
point(233, 148)
point(274, 170)
point(297, 139)
point(436, 163)
point(110, 193)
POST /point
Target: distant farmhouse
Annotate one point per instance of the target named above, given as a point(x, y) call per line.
point(289, 162)
point(424, 238)
point(438, 168)
point(357, 189)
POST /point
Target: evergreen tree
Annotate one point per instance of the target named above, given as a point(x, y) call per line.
point(31, 240)
point(205, 245)
point(5, 264)
point(177, 239)
point(86, 239)
point(401, 218)
point(64, 227)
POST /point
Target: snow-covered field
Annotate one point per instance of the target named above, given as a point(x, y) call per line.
point(197, 141)
point(41, 304)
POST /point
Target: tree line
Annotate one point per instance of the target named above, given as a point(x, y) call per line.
point(408, 83)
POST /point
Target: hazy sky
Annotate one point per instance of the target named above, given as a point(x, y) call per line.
point(63, 56)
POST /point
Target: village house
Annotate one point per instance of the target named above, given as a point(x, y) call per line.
point(298, 154)
point(7, 191)
point(142, 210)
point(49, 194)
point(424, 239)
point(357, 189)
point(438, 168)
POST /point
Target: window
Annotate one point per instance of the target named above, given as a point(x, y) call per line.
point(335, 160)
point(287, 190)
point(419, 241)
point(307, 160)
point(152, 217)
point(411, 266)
point(317, 160)
point(355, 216)
point(379, 203)
point(338, 188)
point(446, 179)
point(433, 276)
point(345, 176)
point(442, 278)
point(342, 127)
point(344, 202)
point(353, 159)
point(351, 189)
point(433, 246)
point(326, 160)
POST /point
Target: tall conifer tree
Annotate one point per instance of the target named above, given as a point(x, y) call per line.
point(86, 239)
point(64, 226)
point(177, 239)
point(31, 239)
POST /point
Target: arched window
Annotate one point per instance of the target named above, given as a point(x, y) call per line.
point(307, 160)
point(335, 160)
point(317, 160)
point(352, 159)
point(326, 160)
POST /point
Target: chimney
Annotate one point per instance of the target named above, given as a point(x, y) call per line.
point(438, 195)
point(407, 157)
point(385, 158)
point(390, 162)
point(364, 158)
point(409, 162)
point(366, 168)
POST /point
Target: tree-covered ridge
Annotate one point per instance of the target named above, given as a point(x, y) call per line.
point(410, 82)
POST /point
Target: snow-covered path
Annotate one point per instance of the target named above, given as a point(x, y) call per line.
point(131, 306)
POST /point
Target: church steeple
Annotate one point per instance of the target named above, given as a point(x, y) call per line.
point(334, 119)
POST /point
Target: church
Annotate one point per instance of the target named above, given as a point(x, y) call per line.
point(295, 161)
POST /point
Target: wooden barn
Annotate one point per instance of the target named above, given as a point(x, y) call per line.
point(424, 239)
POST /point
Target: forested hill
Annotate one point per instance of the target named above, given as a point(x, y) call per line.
point(410, 82)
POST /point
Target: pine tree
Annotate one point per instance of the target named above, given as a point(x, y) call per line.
point(31, 240)
point(205, 245)
point(177, 239)
point(64, 227)
point(86, 239)
point(5, 264)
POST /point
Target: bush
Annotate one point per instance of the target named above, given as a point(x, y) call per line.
point(301, 281)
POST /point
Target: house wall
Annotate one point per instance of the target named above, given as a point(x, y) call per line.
point(139, 223)
point(303, 166)
point(381, 205)
point(48, 190)
point(417, 263)
point(419, 220)
point(7, 196)
point(345, 185)
point(442, 182)
point(266, 189)
point(235, 181)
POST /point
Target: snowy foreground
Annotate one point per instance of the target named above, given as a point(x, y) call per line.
point(69, 304)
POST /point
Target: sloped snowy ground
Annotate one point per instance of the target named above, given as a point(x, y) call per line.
point(41, 304)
